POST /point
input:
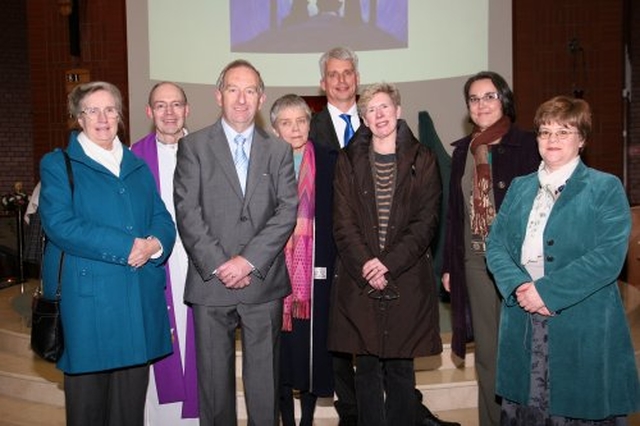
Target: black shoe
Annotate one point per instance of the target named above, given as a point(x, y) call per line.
point(347, 413)
point(427, 418)
point(424, 417)
point(348, 421)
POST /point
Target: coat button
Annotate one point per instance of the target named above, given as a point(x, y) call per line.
point(243, 218)
point(550, 242)
point(502, 184)
point(550, 258)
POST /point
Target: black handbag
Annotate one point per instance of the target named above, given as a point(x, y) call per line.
point(47, 337)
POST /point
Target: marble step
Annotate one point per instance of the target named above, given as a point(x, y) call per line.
point(16, 412)
point(20, 412)
point(28, 379)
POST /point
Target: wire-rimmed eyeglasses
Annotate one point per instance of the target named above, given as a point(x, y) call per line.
point(163, 107)
point(94, 112)
point(487, 97)
point(561, 134)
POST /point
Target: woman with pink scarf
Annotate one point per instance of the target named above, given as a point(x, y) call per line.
point(305, 364)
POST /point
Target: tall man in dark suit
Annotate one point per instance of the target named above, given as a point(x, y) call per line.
point(339, 80)
point(236, 201)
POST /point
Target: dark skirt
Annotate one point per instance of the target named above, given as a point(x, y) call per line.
point(536, 413)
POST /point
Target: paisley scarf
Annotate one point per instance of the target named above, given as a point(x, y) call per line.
point(298, 251)
point(483, 211)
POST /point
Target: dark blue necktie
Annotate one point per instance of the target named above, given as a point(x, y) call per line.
point(348, 131)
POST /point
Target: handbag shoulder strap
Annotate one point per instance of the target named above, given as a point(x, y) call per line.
point(67, 162)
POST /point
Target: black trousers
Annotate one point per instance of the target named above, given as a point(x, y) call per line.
point(385, 391)
point(109, 398)
point(287, 410)
point(344, 386)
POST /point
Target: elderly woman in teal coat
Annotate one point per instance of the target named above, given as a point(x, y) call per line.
point(556, 248)
point(106, 235)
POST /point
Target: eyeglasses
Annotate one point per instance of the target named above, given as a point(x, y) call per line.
point(94, 112)
point(163, 107)
point(390, 292)
point(487, 97)
point(561, 134)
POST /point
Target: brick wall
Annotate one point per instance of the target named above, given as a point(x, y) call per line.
point(103, 51)
point(634, 107)
point(15, 99)
point(567, 45)
point(35, 56)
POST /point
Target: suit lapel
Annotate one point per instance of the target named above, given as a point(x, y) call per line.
point(523, 205)
point(574, 186)
point(327, 129)
point(222, 153)
point(257, 160)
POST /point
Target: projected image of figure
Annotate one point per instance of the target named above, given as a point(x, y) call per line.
point(300, 26)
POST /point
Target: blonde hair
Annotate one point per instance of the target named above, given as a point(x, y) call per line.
point(373, 90)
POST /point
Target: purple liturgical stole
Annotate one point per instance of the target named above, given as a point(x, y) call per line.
point(172, 384)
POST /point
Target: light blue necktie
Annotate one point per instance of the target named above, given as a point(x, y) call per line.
point(348, 131)
point(241, 160)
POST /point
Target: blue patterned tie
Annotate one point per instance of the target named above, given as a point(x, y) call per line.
point(241, 160)
point(348, 131)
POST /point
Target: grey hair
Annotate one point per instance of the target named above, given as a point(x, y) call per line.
point(342, 53)
point(80, 92)
point(238, 63)
point(288, 101)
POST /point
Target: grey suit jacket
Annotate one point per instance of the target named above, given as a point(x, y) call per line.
point(216, 222)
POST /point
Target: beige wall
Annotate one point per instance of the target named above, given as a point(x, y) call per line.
point(441, 98)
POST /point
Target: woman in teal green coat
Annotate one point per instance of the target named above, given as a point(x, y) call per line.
point(556, 248)
point(115, 233)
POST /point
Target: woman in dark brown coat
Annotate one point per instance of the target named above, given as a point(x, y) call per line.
point(384, 306)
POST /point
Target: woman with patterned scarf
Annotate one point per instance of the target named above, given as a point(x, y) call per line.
point(305, 363)
point(483, 165)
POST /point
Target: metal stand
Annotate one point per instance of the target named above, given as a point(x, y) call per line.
point(20, 232)
point(20, 279)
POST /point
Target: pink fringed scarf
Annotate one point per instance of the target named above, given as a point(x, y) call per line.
point(298, 251)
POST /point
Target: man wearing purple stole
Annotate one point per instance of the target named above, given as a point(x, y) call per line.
point(172, 397)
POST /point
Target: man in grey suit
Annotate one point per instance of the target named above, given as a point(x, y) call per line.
point(236, 201)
